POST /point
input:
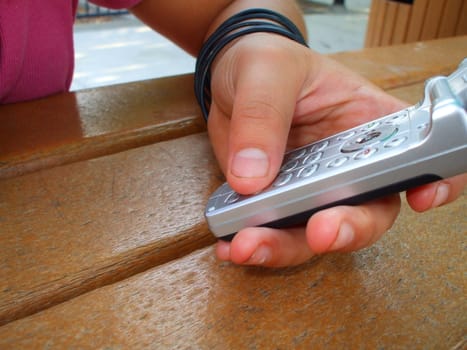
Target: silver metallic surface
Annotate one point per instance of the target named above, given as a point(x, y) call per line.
point(427, 139)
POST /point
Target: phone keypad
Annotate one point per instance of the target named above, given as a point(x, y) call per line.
point(395, 142)
point(328, 155)
point(312, 158)
point(337, 162)
point(346, 135)
point(289, 166)
point(319, 146)
point(282, 179)
point(308, 171)
point(299, 153)
point(232, 198)
point(355, 164)
point(366, 153)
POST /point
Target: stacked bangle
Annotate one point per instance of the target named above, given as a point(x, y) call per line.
point(242, 23)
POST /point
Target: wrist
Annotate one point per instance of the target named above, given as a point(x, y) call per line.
point(244, 23)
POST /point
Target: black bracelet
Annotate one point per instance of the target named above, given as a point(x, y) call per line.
point(242, 23)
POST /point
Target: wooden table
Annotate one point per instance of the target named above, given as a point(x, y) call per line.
point(103, 243)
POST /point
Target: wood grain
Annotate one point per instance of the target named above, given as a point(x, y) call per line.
point(390, 22)
point(404, 12)
point(75, 126)
point(462, 23)
point(95, 226)
point(71, 127)
point(417, 20)
point(410, 94)
point(393, 22)
point(375, 22)
point(451, 17)
point(432, 20)
point(406, 291)
point(401, 65)
point(74, 228)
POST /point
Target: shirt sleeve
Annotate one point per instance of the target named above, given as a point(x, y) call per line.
point(116, 4)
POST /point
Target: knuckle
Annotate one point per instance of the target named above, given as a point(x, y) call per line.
point(260, 111)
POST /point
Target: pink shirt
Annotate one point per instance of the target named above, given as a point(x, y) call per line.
point(36, 46)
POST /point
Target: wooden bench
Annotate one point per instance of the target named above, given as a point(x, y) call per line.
point(405, 21)
point(70, 127)
point(113, 251)
point(405, 292)
point(77, 126)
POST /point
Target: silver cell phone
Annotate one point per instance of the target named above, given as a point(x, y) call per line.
point(421, 144)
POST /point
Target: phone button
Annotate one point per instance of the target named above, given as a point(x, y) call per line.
point(366, 153)
point(282, 179)
point(345, 136)
point(398, 118)
point(297, 153)
point(232, 198)
point(308, 170)
point(372, 125)
point(369, 137)
point(395, 142)
point(320, 146)
point(337, 162)
point(289, 166)
point(312, 158)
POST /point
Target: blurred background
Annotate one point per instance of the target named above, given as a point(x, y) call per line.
point(113, 47)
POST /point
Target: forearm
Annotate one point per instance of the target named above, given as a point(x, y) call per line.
point(188, 22)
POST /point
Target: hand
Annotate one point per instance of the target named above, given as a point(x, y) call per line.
point(271, 94)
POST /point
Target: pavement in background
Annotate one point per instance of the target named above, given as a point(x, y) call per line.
point(123, 49)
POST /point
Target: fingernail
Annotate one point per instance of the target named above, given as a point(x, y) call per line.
point(442, 194)
point(345, 236)
point(260, 256)
point(250, 163)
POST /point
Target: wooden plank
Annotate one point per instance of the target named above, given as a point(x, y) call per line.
point(70, 127)
point(406, 291)
point(405, 64)
point(126, 209)
point(404, 12)
point(378, 28)
point(432, 21)
point(70, 229)
point(462, 23)
point(450, 18)
point(390, 22)
point(410, 94)
point(417, 20)
point(371, 23)
point(371, 38)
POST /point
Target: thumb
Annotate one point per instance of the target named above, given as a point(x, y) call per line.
point(263, 107)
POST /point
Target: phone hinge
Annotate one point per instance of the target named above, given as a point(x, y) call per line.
point(440, 92)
